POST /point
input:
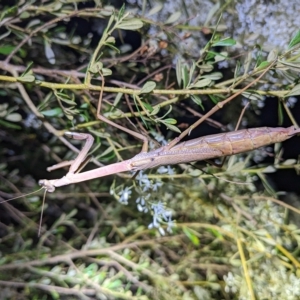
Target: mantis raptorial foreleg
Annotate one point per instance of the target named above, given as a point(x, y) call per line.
point(77, 162)
point(81, 157)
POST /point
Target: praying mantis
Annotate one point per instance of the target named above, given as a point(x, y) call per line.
point(204, 148)
point(207, 147)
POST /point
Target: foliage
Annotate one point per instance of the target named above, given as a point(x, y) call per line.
point(171, 233)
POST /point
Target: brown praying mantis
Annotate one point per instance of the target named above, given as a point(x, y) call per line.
point(204, 148)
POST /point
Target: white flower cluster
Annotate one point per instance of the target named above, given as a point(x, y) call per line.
point(270, 281)
point(146, 201)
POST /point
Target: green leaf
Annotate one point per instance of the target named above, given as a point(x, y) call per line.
point(170, 121)
point(148, 87)
point(131, 24)
point(191, 73)
point(197, 100)
point(294, 92)
point(266, 184)
point(106, 72)
point(191, 236)
point(206, 67)
point(179, 71)
point(214, 99)
point(280, 113)
point(289, 162)
point(295, 40)
point(14, 117)
point(272, 55)
point(27, 69)
point(294, 65)
point(246, 64)
point(65, 98)
point(6, 50)
point(109, 23)
point(155, 9)
point(111, 40)
point(171, 127)
point(253, 96)
point(221, 56)
point(155, 111)
point(173, 18)
point(25, 15)
point(148, 106)
point(84, 106)
point(114, 284)
point(214, 76)
point(269, 169)
point(216, 233)
point(55, 112)
point(95, 68)
point(202, 83)
point(107, 11)
point(121, 12)
point(9, 12)
point(49, 52)
point(263, 64)
point(185, 76)
point(210, 55)
point(224, 43)
point(112, 47)
point(26, 78)
point(9, 125)
point(211, 13)
point(117, 99)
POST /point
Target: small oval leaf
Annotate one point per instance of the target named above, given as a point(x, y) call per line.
point(172, 127)
point(95, 68)
point(26, 78)
point(155, 111)
point(155, 9)
point(263, 64)
point(269, 169)
point(206, 67)
point(52, 112)
point(289, 162)
point(106, 72)
point(197, 100)
point(214, 76)
point(173, 18)
point(202, 83)
point(191, 236)
point(148, 87)
point(272, 55)
point(253, 96)
point(49, 53)
point(170, 121)
point(107, 11)
point(131, 24)
point(14, 117)
point(224, 43)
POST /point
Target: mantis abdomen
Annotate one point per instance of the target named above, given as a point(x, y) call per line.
point(213, 146)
